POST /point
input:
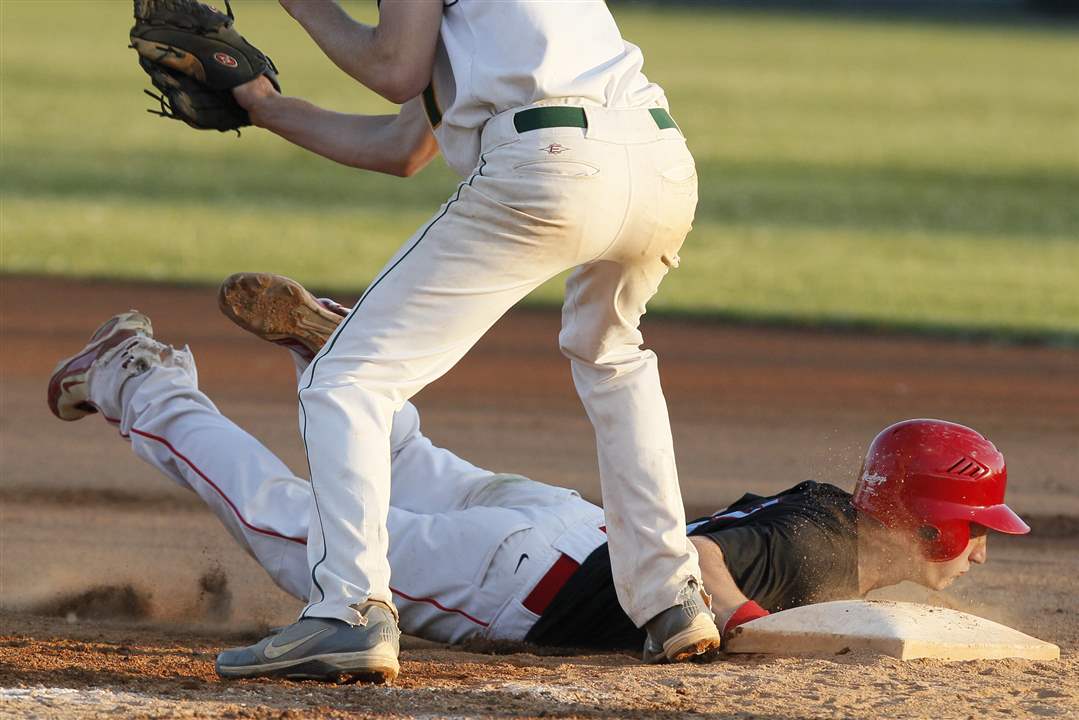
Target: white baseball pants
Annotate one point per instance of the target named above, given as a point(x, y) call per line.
point(616, 201)
point(466, 545)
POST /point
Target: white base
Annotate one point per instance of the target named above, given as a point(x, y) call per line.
point(899, 629)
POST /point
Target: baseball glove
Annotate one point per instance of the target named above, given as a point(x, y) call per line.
point(194, 57)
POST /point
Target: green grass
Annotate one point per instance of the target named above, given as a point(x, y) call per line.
point(880, 173)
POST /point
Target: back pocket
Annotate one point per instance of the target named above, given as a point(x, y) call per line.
point(682, 179)
point(558, 168)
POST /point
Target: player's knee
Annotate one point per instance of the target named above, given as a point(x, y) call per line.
point(601, 340)
point(618, 359)
point(581, 346)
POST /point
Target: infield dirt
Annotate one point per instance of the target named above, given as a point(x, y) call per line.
point(117, 588)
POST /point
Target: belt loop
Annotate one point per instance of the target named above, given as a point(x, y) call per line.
point(593, 122)
point(663, 119)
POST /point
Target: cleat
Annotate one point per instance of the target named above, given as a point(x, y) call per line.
point(69, 392)
point(280, 310)
point(323, 649)
point(686, 631)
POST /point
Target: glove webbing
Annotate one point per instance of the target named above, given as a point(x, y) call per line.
point(166, 109)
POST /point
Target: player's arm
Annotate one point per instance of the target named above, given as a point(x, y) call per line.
point(718, 581)
point(729, 604)
point(400, 144)
point(393, 58)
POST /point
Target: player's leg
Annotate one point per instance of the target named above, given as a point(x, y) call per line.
point(455, 569)
point(415, 321)
point(149, 391)
point(281, 311)
point(426, 478)
point(619, 385)
point(434, 300)
point(620, 388)
point(175, 427)
point(503, 233)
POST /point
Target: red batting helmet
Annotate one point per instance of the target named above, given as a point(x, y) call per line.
point(934, 478)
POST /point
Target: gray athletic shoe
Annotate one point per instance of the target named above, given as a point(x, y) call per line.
point(684, 631)
point(323, 649)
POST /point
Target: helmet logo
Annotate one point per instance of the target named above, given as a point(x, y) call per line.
point(870, 481)
point(967, 467)
point(225, 59)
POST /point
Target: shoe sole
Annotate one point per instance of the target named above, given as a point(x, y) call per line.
point(699, 641)
point(71, 372)
point(366, 666)
point(277, 309)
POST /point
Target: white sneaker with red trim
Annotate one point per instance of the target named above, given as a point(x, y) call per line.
point(109, 376)
point(69, 389)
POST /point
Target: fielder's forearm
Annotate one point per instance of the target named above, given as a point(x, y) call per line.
point(393, 58)
point(392, 144)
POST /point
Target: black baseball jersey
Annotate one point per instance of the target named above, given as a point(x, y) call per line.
point(797, 547)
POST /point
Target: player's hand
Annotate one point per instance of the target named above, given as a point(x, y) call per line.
point(252, 93)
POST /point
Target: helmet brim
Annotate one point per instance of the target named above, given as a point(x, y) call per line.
point(995, 517)
point(1000, 518)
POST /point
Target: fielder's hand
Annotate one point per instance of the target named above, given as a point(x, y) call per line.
point(252, 93)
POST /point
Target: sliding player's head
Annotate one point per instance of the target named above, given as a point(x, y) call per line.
point(942, 485)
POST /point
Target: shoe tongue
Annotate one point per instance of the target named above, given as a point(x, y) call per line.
point(365, 608)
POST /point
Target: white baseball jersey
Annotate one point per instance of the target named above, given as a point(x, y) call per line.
point(496, 55)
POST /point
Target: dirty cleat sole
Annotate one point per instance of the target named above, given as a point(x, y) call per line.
point(686, 631)
point(700, 639)
point(68, 394)
point(278, 309)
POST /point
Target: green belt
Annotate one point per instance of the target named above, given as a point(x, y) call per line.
point(567, 116)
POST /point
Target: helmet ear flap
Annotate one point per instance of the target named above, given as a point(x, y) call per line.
point(944, 541)
point(929, 540)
